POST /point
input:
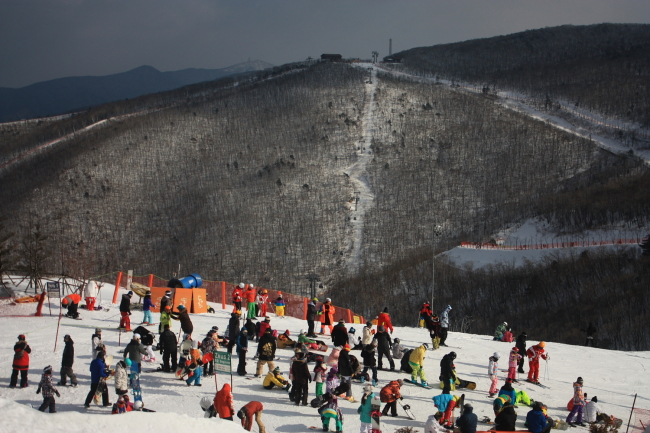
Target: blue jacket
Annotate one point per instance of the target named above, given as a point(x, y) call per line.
point(97, 370)
point(147, 304)
point(512, 394)
point(536, 421)
point(442, 401)
point(242, 340)
point(366, 408)
point(467, 423)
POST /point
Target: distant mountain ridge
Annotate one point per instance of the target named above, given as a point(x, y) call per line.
point(63, 95)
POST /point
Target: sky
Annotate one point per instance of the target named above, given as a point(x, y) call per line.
point(46, 39)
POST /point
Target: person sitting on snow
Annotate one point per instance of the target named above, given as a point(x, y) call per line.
point(398, 349)
point(498, 333)
point(275, 378)
point(537, 421)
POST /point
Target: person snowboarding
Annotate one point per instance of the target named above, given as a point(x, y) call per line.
point(20, 362)
point(416, 362)
point(447, 372)
point(513, 361)
point(90, 294)
point(45, 386)
point(534, 354)
point(265, 352)
point(369, 362)
point(66, 363)
point(389, 394)
point(311, 317)
point(499, 331)
point(384, 320)
point(493, 373)
point(147, 305)
point(326, 316)
point(468, 421)
point(578, 405)
point(98, 372)
point(521, 345)
point(444, 325)
point(242, 349)
point(168, 344)
point(339, 334)
point(384, 343)
point(223, 403)
point(125, 311)
point(184, 317)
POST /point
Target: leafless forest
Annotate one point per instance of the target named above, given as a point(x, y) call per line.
point(246, 180)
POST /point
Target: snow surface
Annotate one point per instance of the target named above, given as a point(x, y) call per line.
point(613, 376)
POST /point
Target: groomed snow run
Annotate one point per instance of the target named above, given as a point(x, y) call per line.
point(613, 376)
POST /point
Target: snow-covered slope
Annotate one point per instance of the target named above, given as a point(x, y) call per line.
point(612, 376)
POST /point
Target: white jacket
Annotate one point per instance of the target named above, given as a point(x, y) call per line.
point(91, 290)
point(591, 411)
point(367, 336)
point(398, 351)
point(121, 382)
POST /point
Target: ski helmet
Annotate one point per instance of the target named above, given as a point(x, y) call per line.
point(352, 331)
point(206, 403)
point(181, 307)
point(397, 340)
point(542, 344)
point(22, 337)
point(136, 336)
point(516, 349)
point(250, 286)
point(98, 330)
point(367, 387)
point(453, 355)
point(580, 380)
point(425, 345)
point(241, 285)
point(47, 370)
point(138, 405)
point(505, 323)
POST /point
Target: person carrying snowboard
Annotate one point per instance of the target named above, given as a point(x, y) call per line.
point(534, 354)
point(20, 363)
point(66, 363)
point(578, 404)
point(365, 409)
point(98, 372)
point(444, 325)
point(513, 361)
point(493, 373)
point(389, 394)
point(416, 362)
point(45, 386)
point(125, 311)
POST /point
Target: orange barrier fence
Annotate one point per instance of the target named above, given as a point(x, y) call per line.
point(221, 292)
point(574, 244)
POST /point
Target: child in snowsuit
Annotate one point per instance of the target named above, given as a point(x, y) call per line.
point(365, 409)
point(319, 376)
point(279, 306)
point(21, 362)
point(389, 395)
point(534, 353)
point(48, 389)
point(578, 404)
point(193, 364)
point(332, 382)
point(493, 371)
point(330, 410)
point(147, 305)
point(208, 345)
point(513, 361)
point(369, 362)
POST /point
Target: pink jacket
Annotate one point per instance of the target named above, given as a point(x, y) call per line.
point(513, 361)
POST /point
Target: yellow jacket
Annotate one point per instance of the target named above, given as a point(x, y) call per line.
point(273, 379)
point(417, 356)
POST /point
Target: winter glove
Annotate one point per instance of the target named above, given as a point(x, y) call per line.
point(548, 357)
point(129, 313)
point(57, 393)
point(38, 391)
point(401, 398)
point(491, 377)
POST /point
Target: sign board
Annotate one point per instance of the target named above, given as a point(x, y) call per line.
point(199, 301)
point(182, 297)
point(53, 288)
point(222, 362)
point(157, 294)
point(357, 319)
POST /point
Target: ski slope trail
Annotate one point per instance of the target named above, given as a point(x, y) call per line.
point(364, 196)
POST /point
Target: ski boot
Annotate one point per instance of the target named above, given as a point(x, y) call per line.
point(424, 383)
point(374, 382)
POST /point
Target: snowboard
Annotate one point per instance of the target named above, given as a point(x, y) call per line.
point(466, 384)
point(407, 409)
point(207, 358)
point(417, 384)
point(134, 381)
point(102, 382)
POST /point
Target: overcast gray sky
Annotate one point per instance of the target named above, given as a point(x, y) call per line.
point(46, 39)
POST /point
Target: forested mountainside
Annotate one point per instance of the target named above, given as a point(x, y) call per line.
point(253, 181)
point(604, 68)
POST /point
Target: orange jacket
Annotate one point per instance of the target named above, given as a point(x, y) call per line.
point(250, 295)
point(390, 392)
point(384, 320)
point(74, 298)
point(223, 402)
point(330, 312)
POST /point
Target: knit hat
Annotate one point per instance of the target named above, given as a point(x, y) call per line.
point(496, 355)
point(136, 336)
point(47, 370)
point(385, 309)
point(130, 293)
point(342, 321)
point(267, 319)
point(181, 307)
point(215, 328)
point(594, 399)
point(368, 387)
point(168, 292)
point(328, 300)
point(98, 331)
point(22, 337)
point(579, 380)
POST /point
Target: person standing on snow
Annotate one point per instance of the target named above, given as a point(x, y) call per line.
point(45, 385)
point(147, 305)
point(21, 362)
point(98, 371)
point(384, 344)
point(265, 352)
point(238, 296)
point(326, 315)
point(311, 317)
point(121, 378)
point(345, 368)
point(97, 343)
point(301, 379)
point(416, 362)
point(66, 363)
point(168, 349)
point(578, 404)
point(125, 311)
point(251, 308)
point(384, 320)
point(534, 354)
point(447, 374)
point(425, 314)
point(134, 351)
point(184, 317)
point(279, 306)
point(242, 349)
point(521, 345)
point(369, 362)
point(223, 403)
point(444, 325)
point(389, 395)
point(513, 360)
point(233, 330)
point(90, 294)
point(366, 409)
point(367, 334)
point(493, 373)
point(340, 334)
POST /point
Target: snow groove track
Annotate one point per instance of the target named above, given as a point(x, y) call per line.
point(358, 175)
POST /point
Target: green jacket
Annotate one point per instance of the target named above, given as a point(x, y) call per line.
point(366, 408)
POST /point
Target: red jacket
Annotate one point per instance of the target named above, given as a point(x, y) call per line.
point(223, 402)
point(384, 320)
point(21, 355)
point(237, 294)
point(251, 409)
point(250, 295)
point(535, 352)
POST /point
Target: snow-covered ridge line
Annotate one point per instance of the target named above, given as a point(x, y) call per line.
point(572, 244)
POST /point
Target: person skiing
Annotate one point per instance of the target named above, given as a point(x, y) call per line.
point(20, 362)
point(365, 409)
point(66, 363)
point(125, 311)
point(223, 403)
point(90, 295)
point(279, 306)
point(238, 296)
point(275, 378)
point(98, 371)
point(319, 376)
point(499, 331)
point(537, 421)
point(262, 302)
point(367, 334)
point(184, 317)
point(384, 320)
point(134, 351)
point(45, 386)
point(251, 308)
point(444, 325)
point(521, 345)
point(397, 349)
point(339, 334)
point(389, 394)
point(242, 349)
point(345, 368)
point(369, 362)
point(578, 404)
point(416, 362)
point(447, 374)
point(121, 378)
point(468, 421)
point(534, 353)
point(493, 373)
point(168, 344)
point(326, 316)
point(301, 379)
point(265, 352)
point(246, 413)
point(147, 305)
point(384, 344)
point(311, 317)
point(425, 313)
point(513, 361)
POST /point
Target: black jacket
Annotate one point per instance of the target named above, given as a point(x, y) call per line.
point(300, 371)
point(168, 341)
point(468, 421)
point(125, 304)
point(250, 327)
point(506, 419)
point(266, 347)
point(368, 355)
point(521, 344)
point(165, 301)
point(68, 354)
point(340, 335)
point(311, 311)
point(345, 366)
point(184, 318)
point(447, 366)
point(233, 327)
point(384, 342)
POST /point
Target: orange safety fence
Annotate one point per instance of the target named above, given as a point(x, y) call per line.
point(641, 421)
point(220, 292)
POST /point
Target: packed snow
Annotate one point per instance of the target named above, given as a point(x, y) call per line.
point(613, 376)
